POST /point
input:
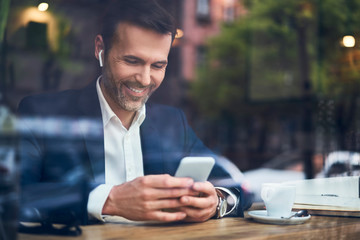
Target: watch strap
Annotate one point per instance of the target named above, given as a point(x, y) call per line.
point(223, 190)
point(239, 212)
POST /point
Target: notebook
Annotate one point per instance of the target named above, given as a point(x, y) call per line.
point(339, 196)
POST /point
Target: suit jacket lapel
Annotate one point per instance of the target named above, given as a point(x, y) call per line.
point(88, 103)
point(151, 146)
point(93, 131)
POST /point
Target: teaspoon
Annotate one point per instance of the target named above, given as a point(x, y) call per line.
point(301, 213)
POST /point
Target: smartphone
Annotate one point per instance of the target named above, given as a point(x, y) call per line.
point(197, 168)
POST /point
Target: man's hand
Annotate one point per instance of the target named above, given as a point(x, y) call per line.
point(202, 207)
point(144, 198)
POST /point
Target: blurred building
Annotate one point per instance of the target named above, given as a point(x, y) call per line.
point(198, 20)
point(202, 19)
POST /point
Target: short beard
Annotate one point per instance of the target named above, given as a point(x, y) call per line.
point(130, 106)
point(127, 103)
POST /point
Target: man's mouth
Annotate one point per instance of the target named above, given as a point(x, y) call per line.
point(137, 90)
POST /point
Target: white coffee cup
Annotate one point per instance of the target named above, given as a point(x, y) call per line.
point(278, 198)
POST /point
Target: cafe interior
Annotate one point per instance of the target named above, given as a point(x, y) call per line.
point(271, 87)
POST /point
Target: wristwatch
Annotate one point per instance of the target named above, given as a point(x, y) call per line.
point(223, 194)
point(222, 204)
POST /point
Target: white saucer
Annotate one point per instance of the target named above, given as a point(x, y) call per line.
point(261, 216)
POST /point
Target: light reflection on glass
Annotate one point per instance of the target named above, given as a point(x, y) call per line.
point(349, 41)
point(43, 7)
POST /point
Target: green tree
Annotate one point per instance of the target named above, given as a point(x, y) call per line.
point(264, 54)
point(283, 50)
point(4, 11)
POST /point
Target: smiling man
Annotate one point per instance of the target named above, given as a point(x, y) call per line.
point(132, 162)
point(134, 68)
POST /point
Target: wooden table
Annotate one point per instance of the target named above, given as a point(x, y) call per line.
point(318, 227)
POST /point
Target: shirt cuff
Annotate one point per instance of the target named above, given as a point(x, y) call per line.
point(97, 199)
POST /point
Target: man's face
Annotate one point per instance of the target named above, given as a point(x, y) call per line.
point(134, 66)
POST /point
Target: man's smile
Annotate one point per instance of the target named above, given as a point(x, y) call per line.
point(136, 91)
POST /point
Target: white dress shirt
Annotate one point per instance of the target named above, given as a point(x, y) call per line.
point(123, 155)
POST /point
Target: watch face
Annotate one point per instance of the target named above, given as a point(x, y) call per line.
point(223, 208)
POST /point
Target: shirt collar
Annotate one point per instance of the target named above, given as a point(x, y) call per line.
point(107, 113)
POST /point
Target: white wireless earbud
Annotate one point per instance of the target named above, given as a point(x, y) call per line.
point(100, 58)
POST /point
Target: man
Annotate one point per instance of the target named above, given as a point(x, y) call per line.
point(139, 145)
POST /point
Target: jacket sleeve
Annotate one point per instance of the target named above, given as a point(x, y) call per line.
point(52, 190)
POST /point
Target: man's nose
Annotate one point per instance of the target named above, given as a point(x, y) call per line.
point(145, 76)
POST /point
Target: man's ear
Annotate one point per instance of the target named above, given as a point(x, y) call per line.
point(99, 49)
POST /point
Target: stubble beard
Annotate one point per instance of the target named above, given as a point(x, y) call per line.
point(130, 103)
point(117, 95)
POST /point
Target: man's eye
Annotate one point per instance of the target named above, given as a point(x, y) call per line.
point(158, 66)
point(131, 61)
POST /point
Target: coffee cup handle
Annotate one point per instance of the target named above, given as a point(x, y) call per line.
point(267, 194)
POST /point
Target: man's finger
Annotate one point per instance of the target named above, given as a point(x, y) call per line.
point(199, 202)
point(204, 187)
point(162, 193)
point(166, 181)
point(162, 204)
point(197, 215)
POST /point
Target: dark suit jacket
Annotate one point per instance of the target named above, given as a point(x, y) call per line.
point(57, 158)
